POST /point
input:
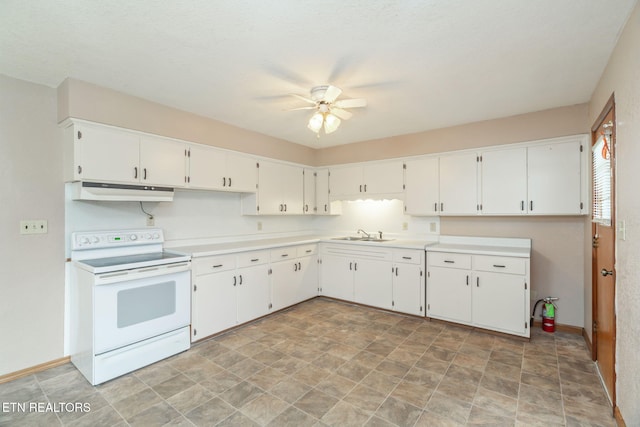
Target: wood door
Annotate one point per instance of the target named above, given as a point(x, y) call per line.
point(603, 238)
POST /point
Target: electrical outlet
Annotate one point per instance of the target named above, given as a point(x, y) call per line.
point(151, 221)
point(432, 227)
point(34, 226)
point(259, 225)
point(534, 295)
point(405, 226)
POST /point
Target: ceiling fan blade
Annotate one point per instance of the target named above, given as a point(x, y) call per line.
point(301, 108)
point(339, 112)
point(303, 98)
point(331, 94)
point(351, 103)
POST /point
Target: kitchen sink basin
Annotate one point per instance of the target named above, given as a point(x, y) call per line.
point(361, 239)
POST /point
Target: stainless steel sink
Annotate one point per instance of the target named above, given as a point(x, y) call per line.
point(361, 239)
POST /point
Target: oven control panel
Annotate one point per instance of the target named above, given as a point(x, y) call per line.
point(112, 239)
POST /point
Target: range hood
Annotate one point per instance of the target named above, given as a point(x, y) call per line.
point(120, 192)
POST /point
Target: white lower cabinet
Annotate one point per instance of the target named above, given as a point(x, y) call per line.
point(408, 282)
point(228, 290)
point(358, 274)
point(490, 292)
point(294, 275)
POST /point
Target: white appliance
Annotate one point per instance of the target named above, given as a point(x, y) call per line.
point(130, 302)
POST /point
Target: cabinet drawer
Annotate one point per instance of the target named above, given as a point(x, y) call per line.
point(282, 254)
point(444, 259)
point(499, 264)
point(407, 256)
point(306, 250)
point(214, 264)
point(247, 259)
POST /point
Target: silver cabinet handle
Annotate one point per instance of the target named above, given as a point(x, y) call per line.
point(355, 266)
point(224, 181)
point(241, 279)
point(234, 280)
point(522, 205)
point(217, 266)
point(435, 207)
point(441, 207)
point(477, 282)
point(135, 172)
point(145, 174)
point(499, 266)
point(531, 206)
point(229, 181)
point(467, 280)
point(407, 257)
point(350, 266)
point(325, 207)
point(360, 188)
point(448, 261)
point(365, 188)
point(295, 267)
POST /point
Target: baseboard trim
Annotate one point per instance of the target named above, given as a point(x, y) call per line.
point(618, 416)
point(587, 340)
point(563, 328)
point(34, 369)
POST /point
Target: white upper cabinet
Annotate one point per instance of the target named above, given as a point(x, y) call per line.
point(459, 184)
point(555, 179)
point(422, 180)
point(214, 169)
point(504, 182)
point(323, 204)
point(162, 162)
point(280, 191)
point(104, 154)
point(368, 180)
point(309, 206)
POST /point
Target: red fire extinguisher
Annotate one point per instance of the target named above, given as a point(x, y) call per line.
point(548, 313)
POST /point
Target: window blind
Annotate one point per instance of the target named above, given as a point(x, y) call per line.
point(601, 180)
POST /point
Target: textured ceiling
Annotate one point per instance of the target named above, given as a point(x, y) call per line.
point(420, 64)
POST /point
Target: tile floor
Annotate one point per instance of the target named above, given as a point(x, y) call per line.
point(329, 363)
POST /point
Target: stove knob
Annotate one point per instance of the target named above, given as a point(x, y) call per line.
point(84, 240)
point(133, 237)
point(156, 236)
point(94, 239)
point(147, 236)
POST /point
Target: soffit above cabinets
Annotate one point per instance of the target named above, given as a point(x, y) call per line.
point(419, 64)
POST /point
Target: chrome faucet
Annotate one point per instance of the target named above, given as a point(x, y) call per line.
point(360, 230)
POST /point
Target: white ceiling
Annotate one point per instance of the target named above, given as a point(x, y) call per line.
point(420, 64)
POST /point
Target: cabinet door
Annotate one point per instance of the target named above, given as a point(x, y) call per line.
point(383, 178)
point(106, 155)
point(214, 304)
point(422, 187)
point(554, 179)
point(322, 191)
point(163, 162)
point(408, 289)
point(499, 302)
point(504, 182)
point(346, 181)
point(372, 283)
point(308, 272)
point(269, 189)
point(336, 277)
point(206, 168)
point(309, 192)
point(242, 175)
point(254, 294)
point(459, 184)
point(292, 184)
point(284, 283)
point(449, 294)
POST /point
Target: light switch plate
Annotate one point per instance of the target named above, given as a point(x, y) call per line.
point(622, 229)
point(34, 226)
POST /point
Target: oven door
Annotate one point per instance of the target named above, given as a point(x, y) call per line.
point(135, 306)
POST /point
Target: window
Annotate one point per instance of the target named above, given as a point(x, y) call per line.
point(601, 180)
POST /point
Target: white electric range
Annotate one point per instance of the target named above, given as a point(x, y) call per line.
point(130, 301)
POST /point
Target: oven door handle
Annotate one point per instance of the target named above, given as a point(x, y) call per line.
point(142, 273)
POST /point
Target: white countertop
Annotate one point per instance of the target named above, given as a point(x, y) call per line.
point(252, 245)
point(480, 250)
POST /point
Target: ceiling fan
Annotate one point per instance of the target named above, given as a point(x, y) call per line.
point(329, 111)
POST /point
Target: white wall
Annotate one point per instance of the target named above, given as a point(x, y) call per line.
point(192, 215)
point(622, 76)
point(377, 215)
point(31, 266)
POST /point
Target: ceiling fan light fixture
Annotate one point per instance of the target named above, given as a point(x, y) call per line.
point(331, 123)
point(315, 122)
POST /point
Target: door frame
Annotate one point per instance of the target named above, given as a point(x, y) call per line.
point(608, 108)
